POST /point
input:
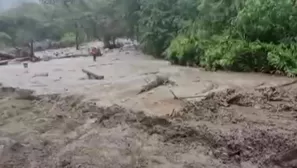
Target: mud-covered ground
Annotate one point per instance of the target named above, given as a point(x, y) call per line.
point(231, 128)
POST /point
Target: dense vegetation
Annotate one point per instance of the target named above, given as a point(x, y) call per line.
point(237, 35)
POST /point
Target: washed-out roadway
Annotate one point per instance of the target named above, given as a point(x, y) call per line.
point(125, 72)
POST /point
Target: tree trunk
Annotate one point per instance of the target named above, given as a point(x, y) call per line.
point(95, 31)
point(106, 42)
point(76, 36)
point(137, 33)
point(76, 43)
point(31, 50)
point(114, 42)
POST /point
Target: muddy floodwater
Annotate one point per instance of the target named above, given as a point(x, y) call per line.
point(201, 119)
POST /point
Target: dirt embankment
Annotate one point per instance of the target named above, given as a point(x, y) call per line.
point(231, 128)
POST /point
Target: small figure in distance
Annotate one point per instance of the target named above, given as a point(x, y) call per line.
point(95, 52)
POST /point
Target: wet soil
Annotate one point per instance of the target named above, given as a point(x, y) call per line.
point(230, 128)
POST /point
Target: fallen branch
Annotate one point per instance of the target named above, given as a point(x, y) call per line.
point(146, 81)
point(192, 97)
point(73, 56)
point(260, 84)
point(187, 97)
point(22, 59)
point(5, 56)
point(40, 75)
point(278, 86)
point(174, 96)
point(92, 75)
point(4, 62)
point(150, 73)
point(287, 84)
point(66, 56)
point(160, 80)
point(184, 101)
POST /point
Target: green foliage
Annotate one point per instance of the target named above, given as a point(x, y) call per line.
point(4, 37)
point(158, 25)
point(183, 50)
point(225, 53)
point(217, 15)
point(267, 20)
point(284, 58)
point(236, 55)
point(161, 21)
point(236, 35)
point(92, 19)
point(68, 39)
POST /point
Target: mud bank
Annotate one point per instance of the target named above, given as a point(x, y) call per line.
point(231, 128)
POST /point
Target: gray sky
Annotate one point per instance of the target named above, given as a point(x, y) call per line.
point(6, 4)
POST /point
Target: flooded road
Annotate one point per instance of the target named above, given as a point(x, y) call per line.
point(196, 119)
point(125, 73)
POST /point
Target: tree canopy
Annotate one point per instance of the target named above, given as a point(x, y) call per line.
point(239, 35)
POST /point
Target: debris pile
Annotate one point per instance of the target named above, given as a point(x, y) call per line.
point(158, 81)
point(67, 131)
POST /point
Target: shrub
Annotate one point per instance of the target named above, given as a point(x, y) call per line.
point(183, 50)
point(236, 55)
point(155, 43)
point(68, 39)
point(220, 52)
point(4, 37)
point(284, 58)
point(239, 55)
